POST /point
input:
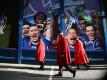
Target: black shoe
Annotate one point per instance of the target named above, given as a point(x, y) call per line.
point(59, 75)
point(41, 68)
point(88, 67)
point(78, 68)
point(74, 73)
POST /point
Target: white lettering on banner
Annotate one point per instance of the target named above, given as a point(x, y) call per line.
point(47, 3)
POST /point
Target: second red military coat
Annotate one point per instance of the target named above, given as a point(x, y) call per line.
point(80, 54)
point(40, 55)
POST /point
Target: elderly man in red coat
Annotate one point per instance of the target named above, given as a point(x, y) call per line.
point(63, 55)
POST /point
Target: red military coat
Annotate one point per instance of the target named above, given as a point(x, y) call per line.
point(63, 52)
point(40, 55)
point(80, 54)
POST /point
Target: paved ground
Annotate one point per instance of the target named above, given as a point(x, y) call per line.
point(31, 72)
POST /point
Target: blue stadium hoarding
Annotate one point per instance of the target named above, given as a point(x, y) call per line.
point(52, 7)
point(49, 7)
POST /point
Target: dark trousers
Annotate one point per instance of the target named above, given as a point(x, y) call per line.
point(41, 64)
point(68, 67)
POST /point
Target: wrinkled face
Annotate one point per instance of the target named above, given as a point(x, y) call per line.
point(33, 33)
point(25, 30)
point(71, 36)
point(90, 32)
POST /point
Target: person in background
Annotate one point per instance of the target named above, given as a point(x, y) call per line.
point(84, 13)
point(25, 34)
point(63, 55)
point(80, 56)
point(97, 21)
point(82, 24)
point(40, 21)
point(81, 32)
point(43, 25)
point(71, 38)
point(34, 34)
point(92, 42)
